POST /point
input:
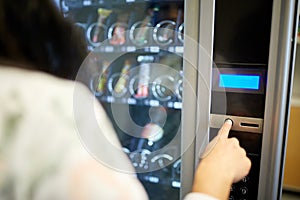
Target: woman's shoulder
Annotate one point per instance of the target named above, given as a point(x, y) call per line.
point(19, 77)
point(17, 82)
point(52, 123)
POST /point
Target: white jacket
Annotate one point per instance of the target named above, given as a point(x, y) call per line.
point(56, 143)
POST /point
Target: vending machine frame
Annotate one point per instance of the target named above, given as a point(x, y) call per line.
point(198, 62)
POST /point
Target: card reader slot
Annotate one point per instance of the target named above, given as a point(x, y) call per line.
point(245, 124)
point(249, 124)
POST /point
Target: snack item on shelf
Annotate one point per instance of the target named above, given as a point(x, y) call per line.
point(103, 14)
point(122, 81)
point(139, 31)
point(143, 81)
point(153, 131)
point(102, 78)
point(163, 33)
point(96, 31)
point(117, 31)
point(117, 34)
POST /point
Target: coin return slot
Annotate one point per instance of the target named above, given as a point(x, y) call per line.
point(249, 125)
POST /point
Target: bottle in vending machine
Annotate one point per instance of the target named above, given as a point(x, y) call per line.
point(120, 86)
point(103, 14)
point(153, 131)
point(117, 31)
point(139, 31)
point(96, 32)
point(143, 81)
point(102, 78)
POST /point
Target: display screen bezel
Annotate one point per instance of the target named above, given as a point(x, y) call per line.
point(217, 72)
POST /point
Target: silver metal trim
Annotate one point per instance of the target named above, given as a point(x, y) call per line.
point(204, 72)
point(198, 62)
point(239, 123)
point(189, 101)
point(277, 98)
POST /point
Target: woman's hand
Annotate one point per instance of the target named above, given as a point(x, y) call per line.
point(225, 163)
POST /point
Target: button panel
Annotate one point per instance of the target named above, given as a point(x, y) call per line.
point(247, 188)
point(240, 190)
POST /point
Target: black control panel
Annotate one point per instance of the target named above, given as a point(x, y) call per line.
point(239, 93)
point(247, 188)
point(241, 53)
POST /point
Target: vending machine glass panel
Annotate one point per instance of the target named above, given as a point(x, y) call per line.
point(135, 70)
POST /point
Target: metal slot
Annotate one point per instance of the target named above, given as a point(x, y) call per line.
point(244, 124)
point(249, 125)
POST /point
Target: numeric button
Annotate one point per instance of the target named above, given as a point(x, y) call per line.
point(231, 198)
point(245, 179)
point(244, 190)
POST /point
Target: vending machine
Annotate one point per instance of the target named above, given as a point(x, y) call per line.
point(244, 71)
point(169, 72)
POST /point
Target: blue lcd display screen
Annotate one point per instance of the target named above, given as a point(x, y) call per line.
point(238, 81)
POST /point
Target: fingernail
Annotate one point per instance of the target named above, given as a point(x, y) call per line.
point(228, 120)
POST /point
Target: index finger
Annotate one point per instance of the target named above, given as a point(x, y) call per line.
point(224, 130)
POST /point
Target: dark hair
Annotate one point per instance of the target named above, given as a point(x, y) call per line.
point(34, 34)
